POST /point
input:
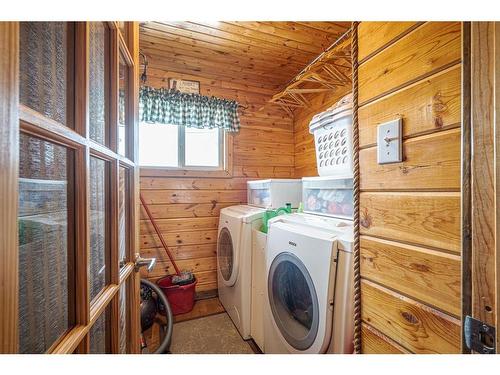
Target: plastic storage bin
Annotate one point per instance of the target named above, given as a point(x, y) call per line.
point(332, 132)
point(328, 196)
point(274, 193)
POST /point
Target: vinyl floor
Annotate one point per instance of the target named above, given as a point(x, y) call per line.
point(213, 334)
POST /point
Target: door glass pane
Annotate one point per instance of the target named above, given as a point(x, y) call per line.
point(122, 106)
point(45, 65)
point(98, 225)
point(99, 335)
point(45, 283)
point(202, 147)
point(293, 300)
point(225, 254)
point(123, 212)
point(123, 318)
point(98, 76)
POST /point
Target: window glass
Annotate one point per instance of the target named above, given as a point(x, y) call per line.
point(122, 106)
point(159, 145)
point(225, 254)
point(98, 243)
point(123, 212)
point(293, 300)
point(99, 336)
point(202, 147)
point(98, 45)
point(45, 284)
point(174, 146)
point(44, 68)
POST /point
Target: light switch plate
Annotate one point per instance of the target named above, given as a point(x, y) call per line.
point(389, 142)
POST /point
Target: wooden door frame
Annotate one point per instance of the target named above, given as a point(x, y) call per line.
point(481, 256)
point(9, 172)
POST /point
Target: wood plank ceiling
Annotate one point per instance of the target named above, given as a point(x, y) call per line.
point(261, 56)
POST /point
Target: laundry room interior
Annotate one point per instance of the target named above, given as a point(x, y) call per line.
point(249, 187)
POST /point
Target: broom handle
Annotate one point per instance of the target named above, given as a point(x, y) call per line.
point(159, 234)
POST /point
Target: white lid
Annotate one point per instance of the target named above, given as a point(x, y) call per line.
point(340, 228)
point(243, 212)
point(273, 180)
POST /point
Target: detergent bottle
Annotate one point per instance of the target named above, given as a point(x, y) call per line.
point(269, 214)
point(284, 210)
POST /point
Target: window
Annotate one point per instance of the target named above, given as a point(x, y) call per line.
point(173, 146)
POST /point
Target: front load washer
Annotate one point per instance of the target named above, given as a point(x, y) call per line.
point(234, 262)
point(309, 304)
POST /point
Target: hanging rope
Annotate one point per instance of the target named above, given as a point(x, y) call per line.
point(355, 141)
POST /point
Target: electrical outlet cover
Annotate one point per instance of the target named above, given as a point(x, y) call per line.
point(389, 142)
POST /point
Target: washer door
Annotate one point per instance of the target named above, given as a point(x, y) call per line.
point(293, 301)
point(226, 257)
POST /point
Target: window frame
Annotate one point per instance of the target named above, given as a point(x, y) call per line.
point(225, 168)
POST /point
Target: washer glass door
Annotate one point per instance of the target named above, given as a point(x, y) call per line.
point(293, 300)
point(225, 255)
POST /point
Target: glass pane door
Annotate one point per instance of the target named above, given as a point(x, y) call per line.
point(76, 189)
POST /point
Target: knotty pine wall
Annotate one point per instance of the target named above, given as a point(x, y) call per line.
point(410, 211)
point(187, 209)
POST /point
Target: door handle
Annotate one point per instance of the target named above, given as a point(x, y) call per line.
point(142, 262)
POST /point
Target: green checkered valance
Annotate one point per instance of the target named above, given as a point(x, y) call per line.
point(192, 110)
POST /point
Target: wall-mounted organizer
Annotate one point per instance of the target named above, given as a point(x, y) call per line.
point(274, 193)
point(332, 131)
point(329, 196)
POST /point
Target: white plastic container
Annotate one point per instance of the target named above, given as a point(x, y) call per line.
point(274, 193)
point(332, 131)
point(328, 196)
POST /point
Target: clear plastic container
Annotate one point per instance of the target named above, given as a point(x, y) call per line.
point(274, 193)
point(328, 196)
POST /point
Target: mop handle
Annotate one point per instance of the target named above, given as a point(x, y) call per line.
point(159, 234)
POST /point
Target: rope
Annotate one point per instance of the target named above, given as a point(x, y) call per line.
point(355, 141)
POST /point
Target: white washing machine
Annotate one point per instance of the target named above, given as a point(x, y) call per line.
point(234, 262)
point(309, 304)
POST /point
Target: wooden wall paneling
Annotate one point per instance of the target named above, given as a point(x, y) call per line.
point(176, 225)
point(431, 162)
point(9, 172)
point(424, 51)
point(424, 218)
point(411, 324)
point(435, 105)
point(375, 36)
point(187, 208)
point(375, 342)
point(410, 212)
point(430, 276)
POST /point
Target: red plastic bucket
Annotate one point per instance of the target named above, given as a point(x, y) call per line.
point(180, 297)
